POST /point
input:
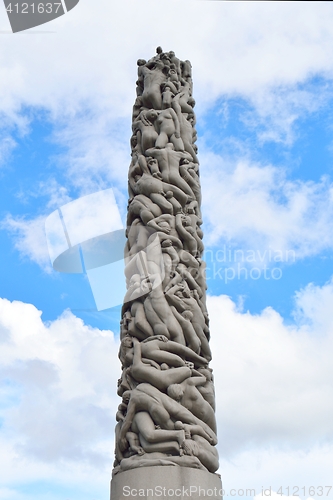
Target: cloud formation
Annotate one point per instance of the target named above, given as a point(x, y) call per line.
point(277, 47)
point(57, 379)
point(274, 380)
point(264, 209)
point(273, 390)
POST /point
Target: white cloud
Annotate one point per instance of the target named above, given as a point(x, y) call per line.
point(6, 493)
point(277, 112)
point(89, 99)
point(29, 238)
point(260, 51)
point(59, 386)
point(263, 212)
point(57, 194)
point(273, 392)
point(97, 151)
point(263, 209)
point(7, 145)
point(277, 470)
point(269, 43)
point(274, 380)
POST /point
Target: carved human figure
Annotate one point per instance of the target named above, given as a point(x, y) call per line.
point(185, 97)
point(185, 169)
point(190, 225)
point(137, 236)
point(143, 207)
point(156, 245)
point(167, 95)
point(186, 68)
point(185, 126)
point(159, 315)
point(193, 430)
point(205, 452)
point(145, 438)
point(157, 57)
point(144, 128)
point(136, 288)
point(134, 443)
point(154, 188)
point(187, 394)
point(161, 379)
point(162, 350)
point(165, 223)
point(120, 417)
point(189, 276)
point(170, 260)
point(152, 80)
point(191, 338)
point(168, 128)
point(163, 410)
point(207, 390)
point(174, 77)
point(168, 161)
point(181, 299)
point(187, 234)
point(139, 82)
point(196, 220)
point(174, 60)
point(167, 413)
point(156, 440)
point(139, 327)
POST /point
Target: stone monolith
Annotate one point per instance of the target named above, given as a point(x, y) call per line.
point(165, 437)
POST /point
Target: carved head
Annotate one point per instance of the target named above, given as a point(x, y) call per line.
point(134, 280)
point(126, 397)
point(151, 161)
point(166, 243)
point(191, 102)
point(175, 391)
point(187, 315)
point(127, 343)
point(152, 114)
point(134, 141)
point(159, 65)
point(166, 86)
point(173, 74)
point(207, 372)
point(164, 225)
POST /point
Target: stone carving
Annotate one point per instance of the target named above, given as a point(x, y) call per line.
point(166, 416)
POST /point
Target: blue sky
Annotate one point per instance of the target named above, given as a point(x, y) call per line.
point(263, 84)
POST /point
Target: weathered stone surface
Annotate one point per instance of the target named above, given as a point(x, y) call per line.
point(166, 419)
point(166, 483)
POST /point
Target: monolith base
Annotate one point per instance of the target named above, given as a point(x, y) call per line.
point(165, 482)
